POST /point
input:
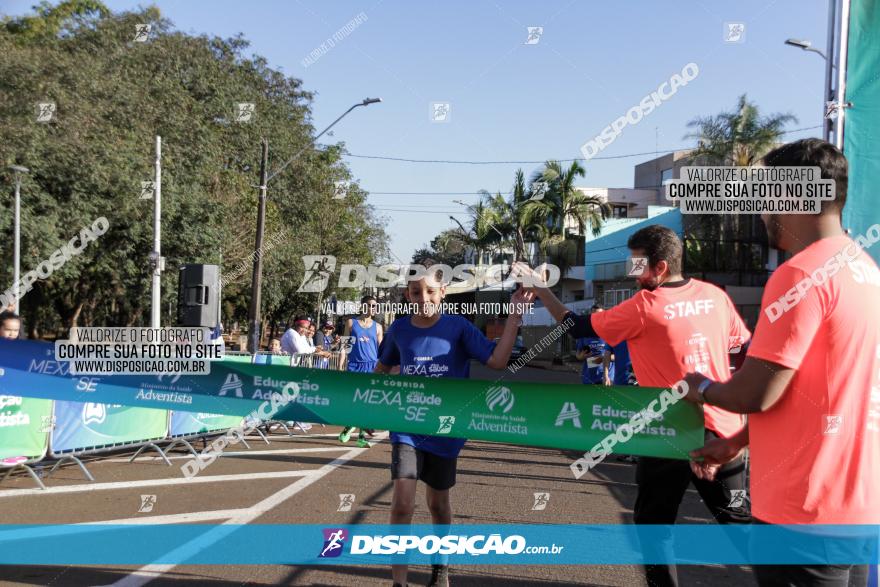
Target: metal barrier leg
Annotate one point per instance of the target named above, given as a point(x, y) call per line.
point(281, 424)
point(29, 471)
point(263, 436)
point(78, 462)
point(145, 447)
point(182, 442)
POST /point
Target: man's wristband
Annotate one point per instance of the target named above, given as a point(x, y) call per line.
point(701, 389)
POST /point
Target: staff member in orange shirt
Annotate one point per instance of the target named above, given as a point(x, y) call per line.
point(672, 326)
point(811, 381)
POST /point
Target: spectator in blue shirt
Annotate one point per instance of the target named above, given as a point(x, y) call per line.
point(595, 353)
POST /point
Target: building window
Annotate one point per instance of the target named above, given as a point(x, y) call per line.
point(608, 271)
point(612, 297)
point(665, 176)
point(619, 211)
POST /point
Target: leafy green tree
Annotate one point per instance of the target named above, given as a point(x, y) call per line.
point(447, 248)
point(113, 95)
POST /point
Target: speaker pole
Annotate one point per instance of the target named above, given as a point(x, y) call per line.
point(257, 280)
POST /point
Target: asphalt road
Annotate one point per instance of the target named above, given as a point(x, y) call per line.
point(296, 480)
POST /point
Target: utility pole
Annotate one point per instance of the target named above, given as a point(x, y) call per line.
point(257, 278)
point(16, 255)
point(156, 256)
point(254, 322)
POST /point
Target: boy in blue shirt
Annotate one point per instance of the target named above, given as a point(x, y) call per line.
point(431, 344)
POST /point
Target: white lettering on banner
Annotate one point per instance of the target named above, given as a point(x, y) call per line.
point(7, 418)
point(637, 423)
point(173, 397)
point(568, 412)
point(377, 397)
point(48, 367)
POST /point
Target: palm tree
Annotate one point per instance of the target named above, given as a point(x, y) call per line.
point(480, 235)
point(739, 137)
point(563, 201)
point(510, 216)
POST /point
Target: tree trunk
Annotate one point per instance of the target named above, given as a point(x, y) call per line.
point(74, 317)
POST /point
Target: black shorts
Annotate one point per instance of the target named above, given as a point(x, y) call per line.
point(408, 462)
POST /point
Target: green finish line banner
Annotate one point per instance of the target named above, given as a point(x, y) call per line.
point(577, 417)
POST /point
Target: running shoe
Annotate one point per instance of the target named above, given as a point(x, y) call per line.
point(345, 435)
point(362, 443)
point(439, 576)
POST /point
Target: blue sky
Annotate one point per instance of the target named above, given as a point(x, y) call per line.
point(511, 101)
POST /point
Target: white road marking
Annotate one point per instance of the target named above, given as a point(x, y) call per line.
point(149, 572)
point(184, 518)
point(141, 484)
point(281, 451)
point(80, 528)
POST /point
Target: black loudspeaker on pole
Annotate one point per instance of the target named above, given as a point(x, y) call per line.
point(198, 295)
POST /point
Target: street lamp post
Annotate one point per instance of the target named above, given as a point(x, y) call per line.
point(16, 276)
point(828, 92)
point(257, 278)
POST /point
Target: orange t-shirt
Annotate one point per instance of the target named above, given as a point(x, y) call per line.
point(816, 453)
point(672, 331)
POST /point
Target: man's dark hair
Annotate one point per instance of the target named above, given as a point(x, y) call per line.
point(659, 244)
point(815, 153)
point(597, 307)
point(367, 298)
point(8, 315)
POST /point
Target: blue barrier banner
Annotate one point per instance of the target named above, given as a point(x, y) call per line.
point(80, 427)
point(366, 544)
